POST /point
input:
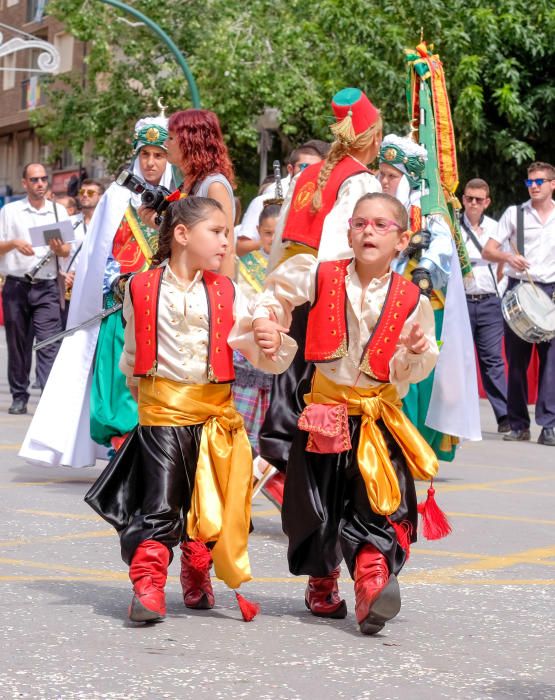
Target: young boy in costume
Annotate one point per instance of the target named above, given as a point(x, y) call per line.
point(349, 490)
point(189, 458)
point(313, 220)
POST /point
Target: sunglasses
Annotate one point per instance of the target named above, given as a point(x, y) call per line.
point(381, 226)
point(537, 181)
point(470, 198)
point(89, 193)
point(34, 180)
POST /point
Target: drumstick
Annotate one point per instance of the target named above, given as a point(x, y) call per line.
point(515, 251)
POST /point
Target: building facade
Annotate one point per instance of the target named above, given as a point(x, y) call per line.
point(20, 94)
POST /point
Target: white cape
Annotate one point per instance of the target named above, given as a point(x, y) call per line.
point(59, 434)
point(454, 404)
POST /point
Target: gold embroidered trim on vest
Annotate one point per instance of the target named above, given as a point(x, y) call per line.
point(340, 352)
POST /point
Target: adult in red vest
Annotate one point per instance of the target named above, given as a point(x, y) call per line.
point(314, 220)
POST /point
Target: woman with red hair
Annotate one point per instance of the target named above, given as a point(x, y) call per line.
point(196, 146)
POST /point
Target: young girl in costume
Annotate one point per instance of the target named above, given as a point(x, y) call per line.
point(189, 458)
point(349, 490)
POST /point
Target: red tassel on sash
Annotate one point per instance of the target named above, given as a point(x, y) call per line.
point(248, 609)
point(434, 521)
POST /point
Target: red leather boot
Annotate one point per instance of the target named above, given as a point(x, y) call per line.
point(196, 562)
point(148, 573)
point(377, 595)
point(322, 596)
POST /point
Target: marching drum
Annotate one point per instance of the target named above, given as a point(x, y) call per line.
point(529, 312)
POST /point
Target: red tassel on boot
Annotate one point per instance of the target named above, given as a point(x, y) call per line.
point(403, 532)
point(249, 610)
point(434, 521)
point(196, 561)
point(200, 556)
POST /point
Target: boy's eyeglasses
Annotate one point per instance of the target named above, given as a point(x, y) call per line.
point(537, 181)
point(89, 193)
point(34, 180)
point(471, 198)
point(381, 226)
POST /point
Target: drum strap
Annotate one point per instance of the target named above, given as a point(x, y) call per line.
point(480, 247)
point(520, 229)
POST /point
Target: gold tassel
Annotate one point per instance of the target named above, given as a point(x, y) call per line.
point(344, 130)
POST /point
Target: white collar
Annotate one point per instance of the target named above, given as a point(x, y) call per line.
point(171, 277)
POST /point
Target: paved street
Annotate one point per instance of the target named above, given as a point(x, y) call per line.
point(477, 620)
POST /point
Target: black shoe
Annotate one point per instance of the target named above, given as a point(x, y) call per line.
point(547, 437)
point(504, 426)
point(18, 407)
point(517, 435)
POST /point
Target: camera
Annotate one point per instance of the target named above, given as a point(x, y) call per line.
point(151, 196)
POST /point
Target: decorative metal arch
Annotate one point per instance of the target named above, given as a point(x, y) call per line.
point(48, 61)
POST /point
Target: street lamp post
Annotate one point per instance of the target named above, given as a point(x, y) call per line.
point(195, 98)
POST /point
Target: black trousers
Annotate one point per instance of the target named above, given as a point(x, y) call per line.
point(30, 311)
point(286, 398)
point(486, 321)
point(145, 491)
point(326, 512)
point(518, 353)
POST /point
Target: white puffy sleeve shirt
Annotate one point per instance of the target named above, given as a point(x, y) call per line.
point(183, 332)
point(293, 283)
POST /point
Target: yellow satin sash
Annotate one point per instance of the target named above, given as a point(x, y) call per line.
point(221, 502)
point(375, 403)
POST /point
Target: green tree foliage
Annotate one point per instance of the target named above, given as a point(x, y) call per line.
point(294, 54)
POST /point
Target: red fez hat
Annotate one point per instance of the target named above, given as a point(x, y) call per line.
point(353, 103)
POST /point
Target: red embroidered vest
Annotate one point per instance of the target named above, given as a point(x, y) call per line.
point(304, 225)
point(327, 337)
point(145, 295)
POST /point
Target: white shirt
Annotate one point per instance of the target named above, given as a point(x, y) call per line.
point(333, 243)
point(539, 242)
point(294, 282)
point(16, 218)
point(483, 280)
point(183, 332)
point(251, 217)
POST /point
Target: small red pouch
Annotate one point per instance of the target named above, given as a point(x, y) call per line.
point(327, 425)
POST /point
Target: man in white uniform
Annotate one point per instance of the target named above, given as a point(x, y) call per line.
point(31, 295)
point(531, 257)
point(483, 298)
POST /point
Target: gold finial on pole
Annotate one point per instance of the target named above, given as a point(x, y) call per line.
point(421, 34)
point(161, 107)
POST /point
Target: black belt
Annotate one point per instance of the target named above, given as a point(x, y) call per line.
point(479, 297)
point(26, 281)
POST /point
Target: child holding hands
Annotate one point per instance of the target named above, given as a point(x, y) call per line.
point(185, 473)
point(349, 490)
